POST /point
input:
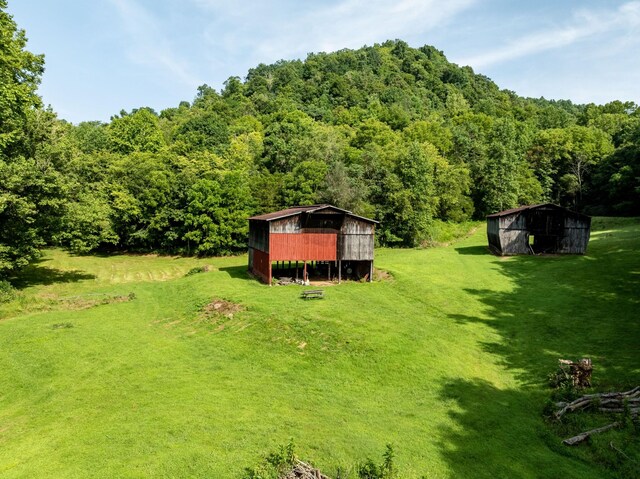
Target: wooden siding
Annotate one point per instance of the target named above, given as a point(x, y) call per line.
point(260, 265)
point(515, 221)
point(303, 247)
point(554, 230)
point(259, 235)
point(355, 226)
point(286, 225)
point(514, 242)
point(356, 247)
point(575, 241)
point(493, 234)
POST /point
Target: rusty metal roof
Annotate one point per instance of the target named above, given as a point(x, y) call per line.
point(295, 210)
point(532, 207)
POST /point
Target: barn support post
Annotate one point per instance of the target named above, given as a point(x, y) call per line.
point(339, 271)
point(329, 273)
point(304, 272)
point(370, 271)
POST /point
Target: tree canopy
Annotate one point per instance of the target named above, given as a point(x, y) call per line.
point(388, 131)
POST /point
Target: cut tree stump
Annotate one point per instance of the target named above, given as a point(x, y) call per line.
point(579, 371)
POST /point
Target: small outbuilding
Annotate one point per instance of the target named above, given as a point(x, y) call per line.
point(322, 240)
point(536, 229)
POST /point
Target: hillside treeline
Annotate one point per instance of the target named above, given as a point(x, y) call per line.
point(391, 132)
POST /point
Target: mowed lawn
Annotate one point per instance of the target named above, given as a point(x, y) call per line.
point(447, 361)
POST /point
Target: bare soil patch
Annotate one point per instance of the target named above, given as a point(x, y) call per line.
point(222, 307)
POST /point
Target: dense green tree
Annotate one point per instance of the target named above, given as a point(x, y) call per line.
point(303, 185)
point(216, 214)
point(31, 190)
point(388, 131)
point(138, 131)
point(564, 158)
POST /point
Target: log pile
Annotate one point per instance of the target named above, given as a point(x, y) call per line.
point(603, 402)
point(302, 470)
point(616, 402)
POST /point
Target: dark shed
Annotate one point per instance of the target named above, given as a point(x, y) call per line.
point(535, 229)
point(322, 235)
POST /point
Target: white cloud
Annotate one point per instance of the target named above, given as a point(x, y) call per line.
point(279, 30)
point(148, 46)
point(584, 25)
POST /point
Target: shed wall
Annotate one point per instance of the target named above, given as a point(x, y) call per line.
point(357, 247)
point(260, 265)
point(493, 234)
point(355, 226)
point(514, 242)
point(303, 247)
point(554, 230)
point(286, 225)
point(574, 241)
point(259, 235)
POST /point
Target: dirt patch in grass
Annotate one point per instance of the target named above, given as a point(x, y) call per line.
point(92, 300)
point(222, 307)
point(219, 314)
point(382, 275)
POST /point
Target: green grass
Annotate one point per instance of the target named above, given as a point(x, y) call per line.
point(447, 361)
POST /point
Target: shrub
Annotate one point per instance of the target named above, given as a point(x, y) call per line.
point(197, 269)
point(274, 465)
point(386, 470)
point(7, 291)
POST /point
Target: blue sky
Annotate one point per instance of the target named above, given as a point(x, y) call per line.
point(103, 56)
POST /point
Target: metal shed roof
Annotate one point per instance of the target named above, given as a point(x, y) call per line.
point(295, 210)
point(533, 207)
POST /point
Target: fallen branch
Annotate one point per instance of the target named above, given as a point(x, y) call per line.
point(572, 441)
point(620, 452)
point(606, 402)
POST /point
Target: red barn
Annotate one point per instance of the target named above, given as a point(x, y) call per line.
point(330, 239)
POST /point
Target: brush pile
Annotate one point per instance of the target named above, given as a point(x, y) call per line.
point(627, 402)
point(302, 470)
point(603, 402)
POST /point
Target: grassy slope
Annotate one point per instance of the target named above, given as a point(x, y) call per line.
point(448, 362)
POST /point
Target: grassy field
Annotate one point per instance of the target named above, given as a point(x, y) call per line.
point(110, 368)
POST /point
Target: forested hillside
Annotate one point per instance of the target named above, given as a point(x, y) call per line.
point(392, 132)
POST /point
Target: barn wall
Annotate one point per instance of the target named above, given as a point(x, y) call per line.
point(514, 242)
point(303, 247)
point(259, 235)
point(515, 221)
point(493, 234)
point(355, 226)
point(290, 224)
point(261, 264)
point(574, 241)
point(555, 231)
point(355, 247)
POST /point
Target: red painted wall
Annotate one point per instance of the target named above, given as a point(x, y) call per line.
point(262, 265)
point(303, 247)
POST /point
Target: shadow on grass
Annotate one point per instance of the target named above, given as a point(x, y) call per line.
point(565, 307)
point(473, 250)
point(497, 434)
point(238, 272)
point(36, 274)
